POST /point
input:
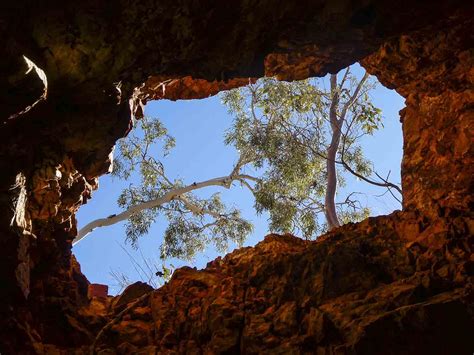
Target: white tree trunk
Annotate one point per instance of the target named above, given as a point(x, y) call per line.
point(331, 182)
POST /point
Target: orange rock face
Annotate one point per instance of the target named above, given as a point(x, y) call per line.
point(98, 290)
point(368, 288)
point(436, 76)
point(400, 284)
point(186, 88)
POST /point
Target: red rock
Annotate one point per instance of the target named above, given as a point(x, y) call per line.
point(399, 284)
point(98, 290)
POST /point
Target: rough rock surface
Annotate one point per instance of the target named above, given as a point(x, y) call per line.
point(368, 288)
point(400, 284)
point(436, 76)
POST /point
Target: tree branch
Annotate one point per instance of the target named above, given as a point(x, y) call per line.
point(346, 73)
point(353, 97)
point(224, 181)
point(331, 181)
point(385, 183)
point(196, 209)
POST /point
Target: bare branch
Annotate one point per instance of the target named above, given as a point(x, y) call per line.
point(353, 97)
point(247, 177)
point(346, 73)
point(247, 185)
point(224, 181)
point(362, 177)
point(197, 210)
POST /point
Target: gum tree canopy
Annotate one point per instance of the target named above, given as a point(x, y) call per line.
point(296, 143)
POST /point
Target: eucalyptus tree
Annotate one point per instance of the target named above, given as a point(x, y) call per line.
point(295, 141)
point(305, 140)
point(193, 222)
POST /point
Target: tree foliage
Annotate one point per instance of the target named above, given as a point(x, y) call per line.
point(284, 130)
point(193, 222)
point(289, 135)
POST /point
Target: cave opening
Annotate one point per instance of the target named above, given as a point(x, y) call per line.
point(199, 128)
point(398, 283)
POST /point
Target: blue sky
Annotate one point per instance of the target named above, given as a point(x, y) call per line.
point(198, 127)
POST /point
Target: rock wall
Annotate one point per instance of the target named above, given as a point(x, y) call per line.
point(388, 285)
point(435, 73)
point(399, 284)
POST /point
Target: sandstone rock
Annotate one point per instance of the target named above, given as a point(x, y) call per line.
point(395, 284)
point(131, 293)
point(356, 290)
point(98, 290)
